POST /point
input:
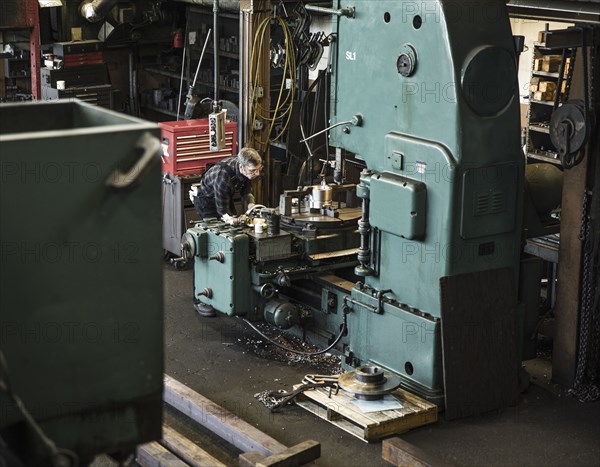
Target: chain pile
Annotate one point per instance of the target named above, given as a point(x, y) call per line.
point(266, 398)
point(587, 382)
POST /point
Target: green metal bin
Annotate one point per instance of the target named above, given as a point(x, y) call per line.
point(81, 309)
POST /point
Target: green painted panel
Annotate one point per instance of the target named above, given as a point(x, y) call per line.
point(405, 205)
point(229, 280)
point(489, 200)
point(405, 342)
point(81, 290)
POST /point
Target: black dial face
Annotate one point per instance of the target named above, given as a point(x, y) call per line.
point(405, 64)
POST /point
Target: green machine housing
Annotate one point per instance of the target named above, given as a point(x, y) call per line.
point(426, 94)
point(81, 322)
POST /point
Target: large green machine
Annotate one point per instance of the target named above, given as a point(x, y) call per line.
point(425, 93)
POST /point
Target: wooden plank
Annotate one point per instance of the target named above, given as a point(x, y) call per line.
point(220, 421)
point(343, 404)
point(339, 404)
point(342, 412)
point(415, 400)
point(297, 455)
point(154, 455)
point(340, 422)
point(400, 425)
point(187, 450)
point(479, 342)
point(250, 459)
point(398, 452)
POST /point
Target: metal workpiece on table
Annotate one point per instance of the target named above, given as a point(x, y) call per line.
point(369, 382)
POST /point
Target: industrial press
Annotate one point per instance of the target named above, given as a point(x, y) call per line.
point(415, 269)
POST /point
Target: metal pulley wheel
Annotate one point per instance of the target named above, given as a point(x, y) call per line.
point(569, 131)
point(188, 246)
point(369, 382)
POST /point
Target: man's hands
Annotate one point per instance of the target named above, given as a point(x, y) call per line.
point(231, 220)
point(235, 221)
point(193, 193)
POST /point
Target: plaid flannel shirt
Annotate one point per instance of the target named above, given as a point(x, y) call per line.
point(221, 184)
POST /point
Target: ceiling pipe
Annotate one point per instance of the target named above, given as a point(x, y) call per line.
point(216, 39)
point(555, 10)
point(96, 10)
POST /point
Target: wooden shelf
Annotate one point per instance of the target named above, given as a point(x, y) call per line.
point(222, 53)
point(539, 128)
point(170, 74)
point(160, 110)
point(546, 73)
point(533, 101)
point(545, 156)
point(221, 88)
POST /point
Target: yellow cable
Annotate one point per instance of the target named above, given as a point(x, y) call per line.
point(277, 114)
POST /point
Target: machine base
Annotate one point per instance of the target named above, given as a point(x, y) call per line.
point(204, 310)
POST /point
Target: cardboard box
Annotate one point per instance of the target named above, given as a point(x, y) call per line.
point(547, 86)
point(552, 58)
point(550, 66)
point(543, 96)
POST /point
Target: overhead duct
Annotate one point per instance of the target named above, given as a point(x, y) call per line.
point(555, 10)
point(95, 10)
point(229, 5)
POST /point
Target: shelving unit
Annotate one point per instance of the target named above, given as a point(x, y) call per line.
point(162, 72)
point(549, 89)
point(16, 78)
point(162, 78)
point(200, 21)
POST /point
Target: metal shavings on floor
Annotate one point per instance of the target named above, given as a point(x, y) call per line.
point(325, 363)
point(265, 397)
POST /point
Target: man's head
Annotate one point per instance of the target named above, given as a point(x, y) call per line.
point(250, 162)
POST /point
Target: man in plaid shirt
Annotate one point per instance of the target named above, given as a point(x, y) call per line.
point(213, 197)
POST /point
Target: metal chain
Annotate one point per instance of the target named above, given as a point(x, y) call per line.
point(593, 76)
point(594, 253)
point(587, 386)
point(569, 77)
point(583, 230)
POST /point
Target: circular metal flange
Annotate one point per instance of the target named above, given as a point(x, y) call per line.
point(407, 61)
point(369, 382)
point(569, 128)
point(348, 217)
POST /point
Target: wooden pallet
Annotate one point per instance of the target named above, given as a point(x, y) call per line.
point(341, 411)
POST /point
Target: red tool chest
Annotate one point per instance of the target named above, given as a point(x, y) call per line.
point(186, 146)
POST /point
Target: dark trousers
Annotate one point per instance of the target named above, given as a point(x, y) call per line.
point(206, 207)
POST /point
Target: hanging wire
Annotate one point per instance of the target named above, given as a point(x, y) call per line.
point(308, 354)
point(282, 111)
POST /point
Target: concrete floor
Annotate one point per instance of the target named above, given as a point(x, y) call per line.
point(547, 428)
